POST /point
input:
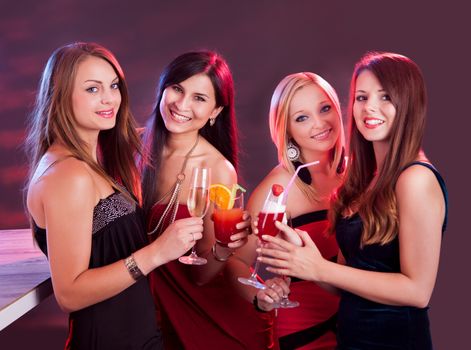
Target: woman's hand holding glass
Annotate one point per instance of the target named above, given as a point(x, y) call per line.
point(270, 298)
point(287, 259)
point(231, 225)
point(177, 239)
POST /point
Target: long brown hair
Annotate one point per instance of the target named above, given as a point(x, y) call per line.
point(53, 119)
point(222, 135)
point(402, 79)
point(279, 115)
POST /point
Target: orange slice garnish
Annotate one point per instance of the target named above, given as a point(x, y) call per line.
point(221, 196)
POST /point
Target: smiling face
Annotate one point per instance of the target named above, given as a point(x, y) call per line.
point(313, 122)
point(95, 97)
point(373, 110)
point(188, 105)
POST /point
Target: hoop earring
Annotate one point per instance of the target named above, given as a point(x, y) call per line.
point(212, 121)
point(292, 151)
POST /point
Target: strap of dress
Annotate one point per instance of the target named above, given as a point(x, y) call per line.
point(171, 209)
point(54, 163)
point(441, 183)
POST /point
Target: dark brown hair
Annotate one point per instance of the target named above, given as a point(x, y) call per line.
point(402, 79)
point(222, 135)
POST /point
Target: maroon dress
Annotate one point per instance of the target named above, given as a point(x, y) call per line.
point(312, 324)
point(212, 316)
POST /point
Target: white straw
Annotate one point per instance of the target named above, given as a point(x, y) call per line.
point(290, 183)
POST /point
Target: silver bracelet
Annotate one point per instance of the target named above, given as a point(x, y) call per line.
point(217, 257)
point(132, 267)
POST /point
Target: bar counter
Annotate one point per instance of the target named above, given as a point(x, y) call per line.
point(24, 275)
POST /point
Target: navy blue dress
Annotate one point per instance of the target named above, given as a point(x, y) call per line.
point(126, 320)
point(364, 324)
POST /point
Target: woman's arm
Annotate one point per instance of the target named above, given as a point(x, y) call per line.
point(68, 198)
point(421, 212)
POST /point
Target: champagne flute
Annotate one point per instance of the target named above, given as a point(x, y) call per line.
point(285, 302)
point(198, 203)
point(272, 211)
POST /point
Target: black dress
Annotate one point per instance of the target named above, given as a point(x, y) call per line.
point(127, 320)
point(364, 324)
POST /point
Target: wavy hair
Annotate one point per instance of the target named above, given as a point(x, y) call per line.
point(402, 79)
point(53, 119)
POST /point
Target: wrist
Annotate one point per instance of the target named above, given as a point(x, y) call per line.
point(156, 255)
point(256, 306)
point(133, 268)
point(321, 274)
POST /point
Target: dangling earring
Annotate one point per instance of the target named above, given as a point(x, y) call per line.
point(292, 151)
point(212, 121)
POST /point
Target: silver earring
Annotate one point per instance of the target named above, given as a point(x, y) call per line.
point(292, 151)
point(212, 121)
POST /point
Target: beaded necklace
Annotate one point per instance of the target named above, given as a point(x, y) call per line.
point(174, 192)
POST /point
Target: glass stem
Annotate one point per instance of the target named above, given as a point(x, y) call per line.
point(253, 276)
point(193, 252)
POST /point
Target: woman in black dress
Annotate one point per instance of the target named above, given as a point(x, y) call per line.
point(389, 215)
point(82, 198)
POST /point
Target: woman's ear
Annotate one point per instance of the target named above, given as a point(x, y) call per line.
point(216, 112)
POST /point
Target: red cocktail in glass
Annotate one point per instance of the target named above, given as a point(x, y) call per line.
point(225, 221)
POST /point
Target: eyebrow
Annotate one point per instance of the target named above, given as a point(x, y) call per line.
point(363, 91)
point(98, 81)
point(303, 111)
point(196, 93)
point(300, 111)
point(201, 94)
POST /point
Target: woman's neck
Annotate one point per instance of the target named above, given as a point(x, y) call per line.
point(61, 149)
point(323, 167)
point(180, 144)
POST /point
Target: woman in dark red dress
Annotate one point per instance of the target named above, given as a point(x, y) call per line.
point(306, 126)
point(193, 125)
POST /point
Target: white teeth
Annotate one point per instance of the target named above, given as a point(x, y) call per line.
point(105, 113)
point(322, 135)
point(180, 117)
point(373, 122)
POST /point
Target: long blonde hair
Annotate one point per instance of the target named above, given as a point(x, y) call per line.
point(402, 79)
point(279, 116)
point(53, 119)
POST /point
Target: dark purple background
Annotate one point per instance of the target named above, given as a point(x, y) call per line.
point(262, 41)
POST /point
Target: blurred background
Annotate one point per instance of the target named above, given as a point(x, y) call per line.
point(262, 41)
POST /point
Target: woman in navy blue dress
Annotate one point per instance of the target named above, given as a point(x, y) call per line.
point(389, 215)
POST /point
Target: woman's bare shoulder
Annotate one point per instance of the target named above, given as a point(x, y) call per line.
point(65, 177)
point(222, 169)
point(60, 184)
point(278, 175)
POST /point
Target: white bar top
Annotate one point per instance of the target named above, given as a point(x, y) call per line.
point(24, 275)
